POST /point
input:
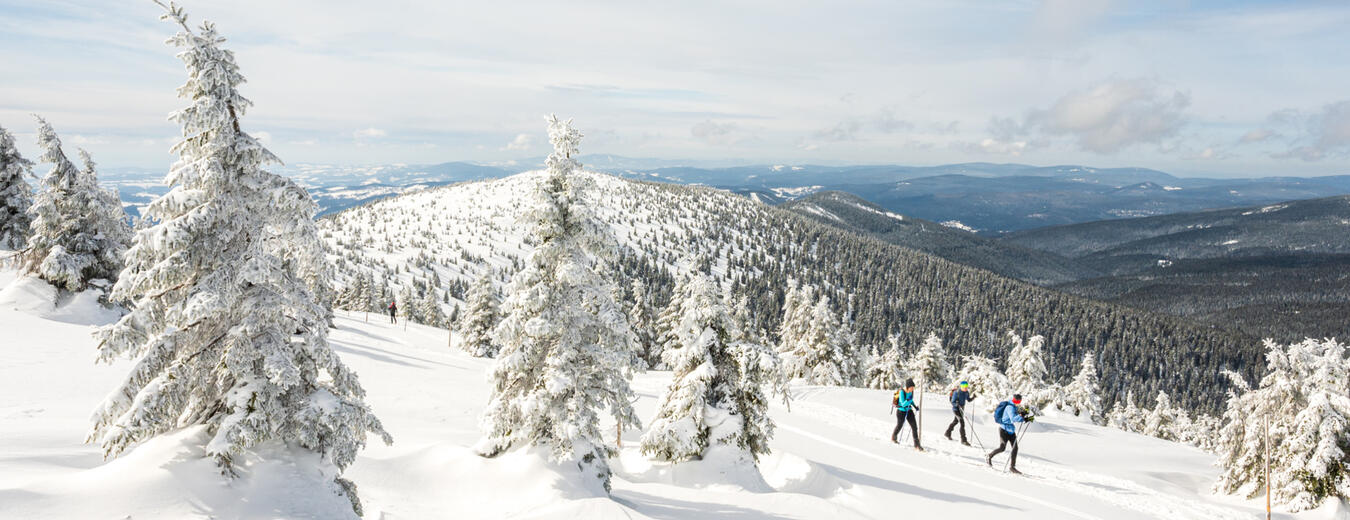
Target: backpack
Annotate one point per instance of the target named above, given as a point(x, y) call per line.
point(998, 410)
point(895, 400)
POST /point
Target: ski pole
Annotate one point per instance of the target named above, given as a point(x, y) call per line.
point(1017, 436)
point(973, 432)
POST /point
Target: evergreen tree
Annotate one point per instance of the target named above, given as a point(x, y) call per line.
point(222, 333)
point(16, 195)
point(668, 321)
point(886, 370)
point(713, 399)
point(641, 318)
point(1161, 422)
point(1083, 395)
point(480, 316)
point(817, 355)
point(1026, 369)
point(79, 231)
point(1305, 397)
point(986, 379)
point(929, 365)
point(564, 342)
point(429, 308)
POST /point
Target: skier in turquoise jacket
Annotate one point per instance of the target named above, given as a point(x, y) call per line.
point(905, 409)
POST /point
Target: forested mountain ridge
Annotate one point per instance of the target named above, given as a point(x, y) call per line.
point(853, 213)
point(436, 241)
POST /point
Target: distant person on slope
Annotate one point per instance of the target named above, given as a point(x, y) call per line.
point(904, 411)
point(1007, 413)
point(959, 397)
point(393, 312)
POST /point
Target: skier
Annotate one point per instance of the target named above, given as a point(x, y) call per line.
point(959, 397)
point(905, 409)
point(393, 312)
point(1007, 413)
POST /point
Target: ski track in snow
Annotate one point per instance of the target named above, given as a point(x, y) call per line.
point(1139, 498)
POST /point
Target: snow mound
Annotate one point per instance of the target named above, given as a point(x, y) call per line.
point(169, 478)
point(792, 474)
point(430, 481)
point(34, 296)
point(722, 468)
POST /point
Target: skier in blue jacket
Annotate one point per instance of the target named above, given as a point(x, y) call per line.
point(904, 411)
point(959, 397)
point(1007, 413)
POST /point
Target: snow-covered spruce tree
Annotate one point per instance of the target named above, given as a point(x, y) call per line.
point(222, 334)
point(1026, 369)
point(1161, 421)
point(641, 317)
point(1082, 396)
point(1305, 396)
point(304, 252)
point(429, 308)
point(16, 195)
point(79, 231)
point(929, 365)
point(985, 380)
point(480, 316)
point(668, 320)
point(564, 342)
point(711, 401)
point(797, 302)
point(886, 369)
point(818, 355)
point(854, 364)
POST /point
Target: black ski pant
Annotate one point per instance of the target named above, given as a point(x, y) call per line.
point(1005, 439)
point(960, 419)
point(392, 318)
point(900, 418)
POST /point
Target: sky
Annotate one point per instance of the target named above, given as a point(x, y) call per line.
point(1190, 87)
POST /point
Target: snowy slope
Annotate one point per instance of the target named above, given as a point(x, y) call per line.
point(831, 459)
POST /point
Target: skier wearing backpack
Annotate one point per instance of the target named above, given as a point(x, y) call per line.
point(959, 396)
point(905, 409)
point(393, 312)
point(1007, 413)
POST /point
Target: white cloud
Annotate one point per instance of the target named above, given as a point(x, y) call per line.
point(1114, 115)
point(1257, 136)
point(369, 133)
point(715, 133)
point(1324, 133)
point(521, 142)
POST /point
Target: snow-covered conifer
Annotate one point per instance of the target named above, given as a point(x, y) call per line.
point(929, 365)
point(16, 195)
point(429, 308)
point(1161, 420)
point(1082, 396)
point(564, 342)
point(222, 333)
point(1305, 397)
point(79, 231)
point(480, 316)
point(1026, 369)
point(818, 355)
point(885, 370)
point(641, 317)
point(713, 399)
point(985, 379)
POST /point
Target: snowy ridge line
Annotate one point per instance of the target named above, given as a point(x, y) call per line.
point(1165, 505)
point(926, 471)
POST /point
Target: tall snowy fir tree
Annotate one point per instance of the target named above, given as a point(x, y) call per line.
point(669, 319)
point(641, 317)
point(711, 401)
point(1082, 396)
point(985, 379)
point(222, 334)
point(79, 231)
point(430, 311)
point(818, 355)
point(886, 370)
point(1026, 369)
point(1161, 421)
point(929, 365)
point(1305, 396)
point(480, 316)
point(16, 195)
point(564, 342)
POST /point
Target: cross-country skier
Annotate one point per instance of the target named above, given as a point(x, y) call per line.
point(904, 411)
point(959, 397)
point(393, 312)
point(1007, 413)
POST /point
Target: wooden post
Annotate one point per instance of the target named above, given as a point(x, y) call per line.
point(618, 435)
point(1265, 422)
point(919, 437)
